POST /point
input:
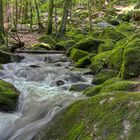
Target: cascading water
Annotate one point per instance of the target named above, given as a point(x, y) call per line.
point(36, 77)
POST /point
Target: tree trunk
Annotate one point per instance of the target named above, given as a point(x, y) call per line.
point(1, 23)
point(50, 17)
point(64, 18)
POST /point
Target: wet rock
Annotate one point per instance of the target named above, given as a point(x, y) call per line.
point(60, 83)
point(8, 97)
point(34, 66)
point(79, 87)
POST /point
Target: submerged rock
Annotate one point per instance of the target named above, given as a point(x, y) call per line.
point(8, 97)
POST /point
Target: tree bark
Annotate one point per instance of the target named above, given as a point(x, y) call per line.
point(1, 23)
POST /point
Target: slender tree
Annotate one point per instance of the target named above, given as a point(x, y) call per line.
point(1, 23)
point(50, 16)
point(66, 10)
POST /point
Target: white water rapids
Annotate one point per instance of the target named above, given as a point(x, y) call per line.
point(41, 99)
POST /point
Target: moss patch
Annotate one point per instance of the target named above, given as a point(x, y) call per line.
point(106, 117)
point(77, 54)
point(8, 96)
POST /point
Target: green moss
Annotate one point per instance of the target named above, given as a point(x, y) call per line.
point(105, 117)
point(8, 96)
point(77, 54)
point(126, 28)
point(100, 61)
point(106, 46)
point(47, 39)
point(111, 33)
point(120, 86)
point(66, 43)
point(88, 44)
point(103, 75)
point(131, 59)
point(84, 62)
point(41, 46)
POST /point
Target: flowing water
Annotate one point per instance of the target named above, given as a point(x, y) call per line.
point(44, 82)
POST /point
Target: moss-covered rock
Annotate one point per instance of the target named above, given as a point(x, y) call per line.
point(79, 87)
point(111, 33)
point(88, 44)
point(6, 57)
point(92, 91)
point(84, 62)
point(100, 61)
point(104, 117)
point(106, 46)
point(66, 43)
point(103, 75)
point(8, 97)
point(41, 46)
point(126, 28)
point(111, 85)
point(47, 39)
point(131, 59)
point(77, 54)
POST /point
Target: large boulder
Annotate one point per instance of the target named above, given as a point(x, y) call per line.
point(88, 44)
point(111, 85)
point(8, 97)
point(106, 117)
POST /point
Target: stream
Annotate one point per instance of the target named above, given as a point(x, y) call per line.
point(44, 82)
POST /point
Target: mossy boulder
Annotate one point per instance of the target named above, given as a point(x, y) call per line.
point(41, 46)
point(6, 57)
point(77, 54)
point(103, 75)
point(92, 91)
point(88, 44)
point(66, 43)
point(126, 28)
point(104, 117)
point(8, 97)
point(111, 33)
point(106, 46)
point(100, 61)
point(84, 62)
point(48, 40)
point(111, 85)
point(131, 59)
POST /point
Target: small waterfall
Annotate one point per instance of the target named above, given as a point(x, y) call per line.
point(41, 99)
